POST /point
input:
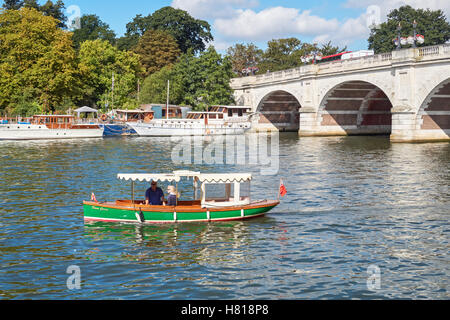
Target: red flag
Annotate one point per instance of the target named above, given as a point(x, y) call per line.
point(93, 198)
point(283, 190)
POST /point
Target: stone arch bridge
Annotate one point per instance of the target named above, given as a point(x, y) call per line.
point(404, 94)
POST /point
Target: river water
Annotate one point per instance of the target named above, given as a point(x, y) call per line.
point(354, 205)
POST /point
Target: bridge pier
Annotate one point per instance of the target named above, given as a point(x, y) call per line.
point(403, 125)
point(408, 126)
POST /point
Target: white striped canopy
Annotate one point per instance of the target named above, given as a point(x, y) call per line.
point(149, 177)
point(177, 175)
point(225, 178)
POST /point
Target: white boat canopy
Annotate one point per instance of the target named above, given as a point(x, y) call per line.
point(149, 177)
point(177, 175)
point(225, 178)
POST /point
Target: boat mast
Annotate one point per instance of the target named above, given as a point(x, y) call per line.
point(168, 98)
point(112, 92)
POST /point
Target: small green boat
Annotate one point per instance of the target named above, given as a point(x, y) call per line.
point(223, 197)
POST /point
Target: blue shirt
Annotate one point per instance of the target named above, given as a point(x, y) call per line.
point(155, 197)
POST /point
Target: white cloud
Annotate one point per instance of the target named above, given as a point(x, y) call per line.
point(213, 9)
point(239, 20)
point(273, 22)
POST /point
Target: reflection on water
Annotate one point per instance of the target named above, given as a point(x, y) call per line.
point(353, 202)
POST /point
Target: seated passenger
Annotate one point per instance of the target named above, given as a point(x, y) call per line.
point(172, 199)
point(154, 196)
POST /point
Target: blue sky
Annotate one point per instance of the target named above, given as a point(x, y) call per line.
point(344, 22)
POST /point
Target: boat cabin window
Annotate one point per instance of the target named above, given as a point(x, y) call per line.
point(230, 113)
point(240, 112)
point(219, 192)
point(227, 193)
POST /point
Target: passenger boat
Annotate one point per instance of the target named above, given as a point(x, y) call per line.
point(45, 127)
point(223, 197)
point(220, 120)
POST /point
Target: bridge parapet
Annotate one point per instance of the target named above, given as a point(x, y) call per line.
point(384, 60)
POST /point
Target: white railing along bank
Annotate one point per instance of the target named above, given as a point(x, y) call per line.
point(379, 60)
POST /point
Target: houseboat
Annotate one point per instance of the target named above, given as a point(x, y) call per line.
point(219, 120)
point(216, 197)
point(43, 127)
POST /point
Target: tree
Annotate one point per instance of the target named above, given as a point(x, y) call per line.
point(99, 63)
point(157, 49)
point(55, 10)
point(328, 49)
point(189, 33)
point(244, 56)
point(282, 54)
point(432, 24)
point(154, 88)
point(36, 57)
point(92, 28)
point(204, 80)
point(12, 4)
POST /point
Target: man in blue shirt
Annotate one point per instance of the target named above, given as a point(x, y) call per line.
point(154, 196)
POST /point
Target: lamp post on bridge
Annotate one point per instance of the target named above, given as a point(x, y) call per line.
point(411, 40)
point(315, 55)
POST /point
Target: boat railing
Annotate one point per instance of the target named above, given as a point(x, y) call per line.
point(16, 120)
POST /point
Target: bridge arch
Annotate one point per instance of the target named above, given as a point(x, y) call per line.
point(434, 112)
point(356, 107)
point(279, 110)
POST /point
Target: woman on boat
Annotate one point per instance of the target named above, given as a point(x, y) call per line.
point(172, 198)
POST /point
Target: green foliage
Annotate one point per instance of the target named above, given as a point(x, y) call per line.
point(281, 54)
point(12, 4)
point(55, 10)
point(98, 61)
point(189, 33)
point(244, 56)
point(196, 81)
point(35, 53)
point(25, 104)
point(328, 49)
point(205, 80)
point(92, 28)
point(432, 24)
point(157, 49)
point(154, 88)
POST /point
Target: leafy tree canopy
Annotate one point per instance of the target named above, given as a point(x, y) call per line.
point(92, 28)
point(189, 33)
point(244, 56)
point(36, 57)
point(157, 49)
point(55, 10)
point(431, 24)
point(99, 63)
point(198, 81)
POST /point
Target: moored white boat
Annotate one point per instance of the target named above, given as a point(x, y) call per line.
point(220, 120)
point(47, 127)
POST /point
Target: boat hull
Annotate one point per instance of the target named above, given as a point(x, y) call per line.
point(163, 215)
point(117, 130)
point(148, 130)
point(41, 132)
